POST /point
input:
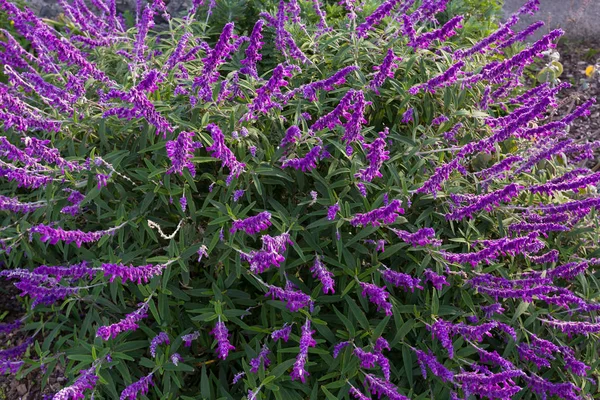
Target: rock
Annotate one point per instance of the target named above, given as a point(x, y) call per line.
point(22, 389)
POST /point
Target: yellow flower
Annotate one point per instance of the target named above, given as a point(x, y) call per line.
point(12, 23)
point(589, 70)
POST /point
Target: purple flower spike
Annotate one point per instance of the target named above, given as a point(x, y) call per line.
point(189, 338)
point(385, 70)
point(294, 299)
point(386, 215)
point(255, 363)
point(14, 205)
point(339, 347)
point(357, 394)
point(378, 296)
point(323, 275)
point(253, 51)
point(271, 253)
point(376, 156)
point(142, 386)
point(422, 237)
point(161, 338)
point(381, 388)
point(438, 281)
point(139, 274)
point(282, 334)
point(54, 235)
point(408, 115)
point(306, 163)
point(87, 380)
point(492, 309)
point(400, 279)
point(181, 152)
point(375, 18)
point(332, 211)
point(221, 335)
point(429, 360)
point(306, 341)
point(252, 225)
point(176, 358)
point(129, 323)
point(237, 377)
point(220, 150)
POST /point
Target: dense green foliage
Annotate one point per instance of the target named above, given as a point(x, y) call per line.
point(192, 295)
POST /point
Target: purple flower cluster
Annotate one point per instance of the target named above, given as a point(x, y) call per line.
point(220, 150)
point(385, 70)
point(14, 205)
point(142, 386)
point(252, 225)
point(161, 338)
point(422, 237)
point(492, 309)
point(437, 281)
point(269, 255)
point(129, 323)
point(284, 41)
point(442, 34)
point(573, 327)
point(429, 360)
point(55, 235)
point(221, 335)
point(309, 90)
point(545, 388)
point(306, 341)
point(282, 334)
point(378, 296)
point(400, 279)
point(332, 211)
point(75, 271)
point(141, 107)
point(351, 107)
point(292, 135)
point(143, 273)
point(386, 215)
point(306, 163)
point(380, 388)
point(86, 380)
point(181, 152)
point(189, 338)
point(262, 358)
point(325, 276)
point(375, 18)
point(211, 63)
point(267, 94)
point(494, 248)
point(447, 78)
point(294, 299)
point(376, 156)
point(549, 257)
point(253, 51)
point(485, 202)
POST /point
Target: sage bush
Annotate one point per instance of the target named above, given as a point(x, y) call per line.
point(311, 208)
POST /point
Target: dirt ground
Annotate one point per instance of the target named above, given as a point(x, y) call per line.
point(576, 56)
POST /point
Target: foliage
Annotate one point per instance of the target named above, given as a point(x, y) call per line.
point(374, 205)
